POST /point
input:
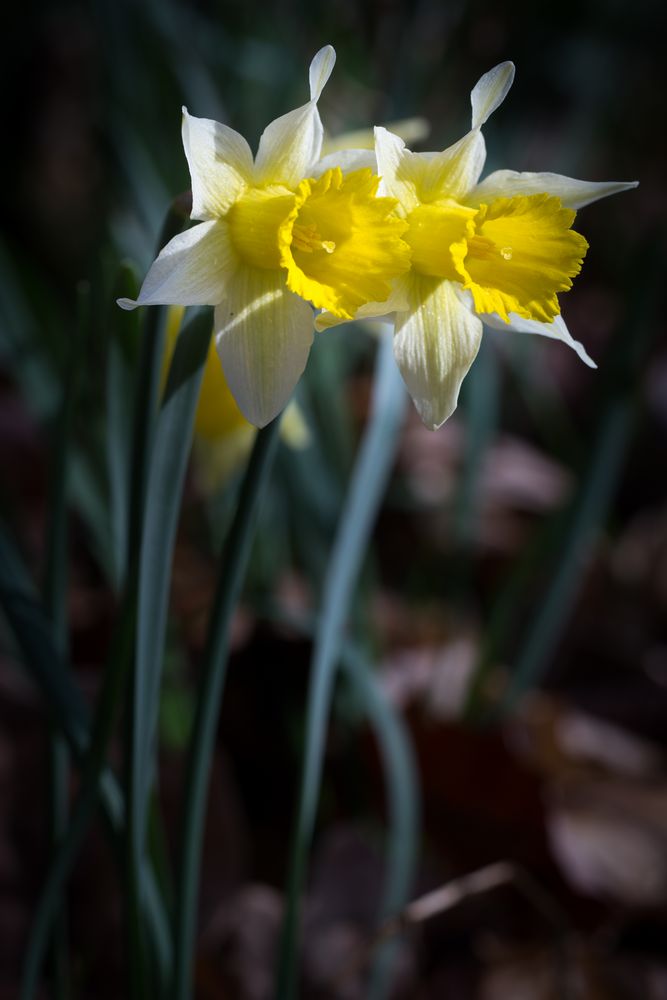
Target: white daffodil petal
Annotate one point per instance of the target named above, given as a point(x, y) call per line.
point(320, 70)
point(220, 162)
point(399, 169)
point(263, 335)
point(435, 344)
point(348, 160)
point(572, 193)
point(556, 330)
point(292, 144)
point(490, 91)
point(192, 270)
point(289, 147)
point(454, 171)
point(398, 301)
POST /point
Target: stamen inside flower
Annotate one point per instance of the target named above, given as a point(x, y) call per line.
point(342, 245)
point(307, 239)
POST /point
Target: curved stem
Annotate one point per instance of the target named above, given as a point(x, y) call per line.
point(369, 479)
point(233, 563)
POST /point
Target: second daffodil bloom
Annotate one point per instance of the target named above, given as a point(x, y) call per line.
point(276, 235)
point(499, 251)
point(222, 435)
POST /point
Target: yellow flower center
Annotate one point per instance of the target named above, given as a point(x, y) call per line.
point(307, 239)
point(514, 255)
point(342, 245)
point(338, 242)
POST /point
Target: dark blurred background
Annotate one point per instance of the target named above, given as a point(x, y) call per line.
point(515, 600)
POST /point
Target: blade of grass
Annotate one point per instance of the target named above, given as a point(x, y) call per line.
point(402, 784)
point(84, 809)
point(163, 500)
point(480, 413)
point(232, 570)
point(369, 479)
point(55, 605)
point(584, 526)
point(144, 422)
point(588, 511)
point(148, 389)
point(32, 631)
point(124, 336)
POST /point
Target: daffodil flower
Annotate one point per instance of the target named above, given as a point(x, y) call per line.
point(499, 251)
point(222, 435)
point(274, 235)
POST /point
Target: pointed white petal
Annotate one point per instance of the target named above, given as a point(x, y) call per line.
point(348, 160)
point(192, 270)
point(263, 335)
point(573, 193)
point(398, 168)
point(490, 91)
point(289, 147)
point(454, 171)
point(556, 330)
point(220, 163)
point(320, 70)
point(416, 177)
point(435, 345)
point(292, 144)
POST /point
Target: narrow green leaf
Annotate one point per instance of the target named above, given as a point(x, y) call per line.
point(575, 530)
point(120, 381)
point(369, 479)
point(480, 416)
point(402, 783)
point(163, 500)
point(94, 762)
point(55, 604)
point(45, 664)
point(143, 431)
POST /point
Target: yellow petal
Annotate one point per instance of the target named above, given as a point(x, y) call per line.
point(217, 414)
point(342, 245)
point(437, 236)
point(255, 221)
point(522, 254)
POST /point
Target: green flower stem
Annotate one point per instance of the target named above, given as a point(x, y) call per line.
point(401, 778)
point(402, 786)
point(369, 479)
point(232, 570)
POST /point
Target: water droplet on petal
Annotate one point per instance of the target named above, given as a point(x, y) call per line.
point(506, 252)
